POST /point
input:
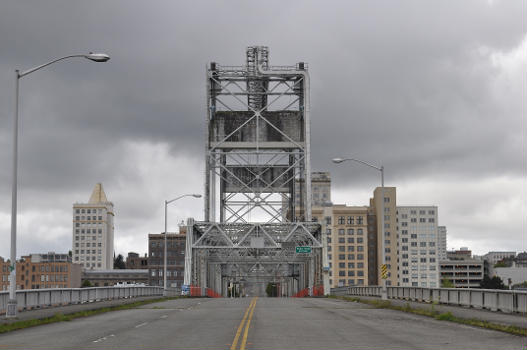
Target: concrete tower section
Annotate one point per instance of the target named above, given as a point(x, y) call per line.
point(257, 152)
point(92, 245)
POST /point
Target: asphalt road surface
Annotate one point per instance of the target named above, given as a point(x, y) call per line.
point(258, 323)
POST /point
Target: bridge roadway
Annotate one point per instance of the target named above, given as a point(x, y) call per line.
point(274, 323)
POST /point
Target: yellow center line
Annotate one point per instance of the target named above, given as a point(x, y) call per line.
point(244, 340)
point(240, 327)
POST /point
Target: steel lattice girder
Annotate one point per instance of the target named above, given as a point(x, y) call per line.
point(275, 142)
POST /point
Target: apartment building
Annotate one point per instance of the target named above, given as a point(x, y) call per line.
point(39, 271)
point(418, 246)
point(175, 259)
point(93, 231)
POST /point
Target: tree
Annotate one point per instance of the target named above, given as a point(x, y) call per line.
point(446, 283)
point(118, 262)
point(492, 283)
point(86, 284)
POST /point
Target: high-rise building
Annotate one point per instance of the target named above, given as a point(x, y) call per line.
point(441, 242)
point(418, 246)
point(347, 243)
point(93, 228)
point(390, 232)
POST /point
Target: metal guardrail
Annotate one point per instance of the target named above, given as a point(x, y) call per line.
point(39, 298)
point(491, 299)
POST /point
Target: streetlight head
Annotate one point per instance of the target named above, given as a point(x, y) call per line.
point(196, 195)
point(97, 57)
point(337, 160)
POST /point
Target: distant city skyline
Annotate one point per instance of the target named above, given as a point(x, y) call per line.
point(431, 90)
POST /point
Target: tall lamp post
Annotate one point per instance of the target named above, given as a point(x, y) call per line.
point(12, 302)
point(165, 251)
point(384, 294)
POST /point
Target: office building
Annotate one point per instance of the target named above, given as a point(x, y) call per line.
point(175, 259)
point(390, 232)
point(40, 271)
point(418, 246)
point(347, 243)
point(320, 189)
point(441, 242)
point(494, 257)
point(93, 231)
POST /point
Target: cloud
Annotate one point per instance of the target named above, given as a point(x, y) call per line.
point(431, 90)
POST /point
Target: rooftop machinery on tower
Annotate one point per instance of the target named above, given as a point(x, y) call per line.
point(257, 147)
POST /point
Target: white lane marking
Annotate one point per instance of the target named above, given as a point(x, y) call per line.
point(103, 338)
point(141, 325)
point(164, 316)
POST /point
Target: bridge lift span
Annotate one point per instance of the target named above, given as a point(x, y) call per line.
point(258, 226)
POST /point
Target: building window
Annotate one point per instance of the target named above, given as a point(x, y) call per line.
point(351, 256)
point(341, 220)
point(359, 220)
point(351, 240)
point(431, 220)
point(350, 231)
point(351, 220)
point(341, 231)
point(386, 199)
point(351, 248)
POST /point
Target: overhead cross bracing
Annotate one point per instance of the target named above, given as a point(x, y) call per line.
point(257, 149)
point(258, 140)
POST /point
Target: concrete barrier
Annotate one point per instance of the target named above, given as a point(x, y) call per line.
point(508, 301)
point(38, 298)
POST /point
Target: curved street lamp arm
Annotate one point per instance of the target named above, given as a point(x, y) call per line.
point(175, 199)
point(365, 163)
point(20, 75)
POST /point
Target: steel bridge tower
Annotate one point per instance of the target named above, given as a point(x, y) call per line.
point(257, 148)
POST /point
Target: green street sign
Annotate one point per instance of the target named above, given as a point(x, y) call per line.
point(11, 268)
point(303, 250)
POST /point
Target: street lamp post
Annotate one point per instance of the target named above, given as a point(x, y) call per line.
point(12, 302)
point(165, 250)
point(384, 294)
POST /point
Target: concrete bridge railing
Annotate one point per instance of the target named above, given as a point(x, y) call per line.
point(38, 298)
point(491, 299)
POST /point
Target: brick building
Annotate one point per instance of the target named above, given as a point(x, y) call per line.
point(39, 271)
point(135, 261)
point(175, 259)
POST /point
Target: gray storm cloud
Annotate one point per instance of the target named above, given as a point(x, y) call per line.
point(433, 90)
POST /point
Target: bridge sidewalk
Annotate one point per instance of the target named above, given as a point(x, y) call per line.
point(42, 313)
point(519, 320)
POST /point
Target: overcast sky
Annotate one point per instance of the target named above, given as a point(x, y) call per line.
point(433, 90)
